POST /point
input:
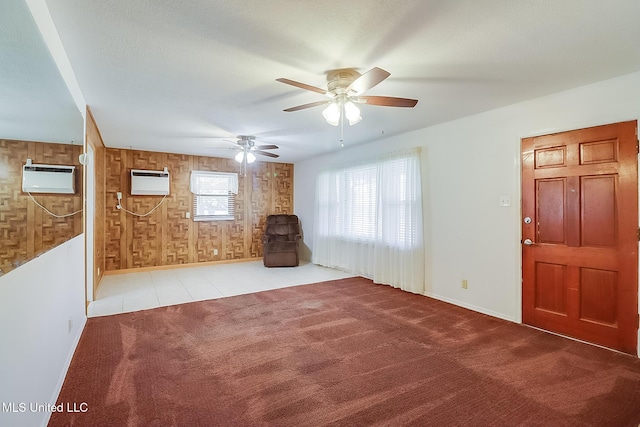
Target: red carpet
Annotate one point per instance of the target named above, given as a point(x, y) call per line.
point(339, 353)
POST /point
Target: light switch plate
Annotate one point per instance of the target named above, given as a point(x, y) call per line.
point(505, 201)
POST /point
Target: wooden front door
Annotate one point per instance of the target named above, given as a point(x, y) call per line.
point(580, 234)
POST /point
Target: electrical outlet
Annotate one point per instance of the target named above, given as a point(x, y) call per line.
point(119, 195)
point(98, 271)
point(215, 252)
point(70, 325)
point(465, 284)
point(187, 214)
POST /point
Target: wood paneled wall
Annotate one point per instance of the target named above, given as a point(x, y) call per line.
point(167, 236)
point(94, 139)
point(26, 231)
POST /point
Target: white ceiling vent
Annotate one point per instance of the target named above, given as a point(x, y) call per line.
point(149, 183)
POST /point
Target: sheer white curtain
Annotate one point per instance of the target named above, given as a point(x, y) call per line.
point(369, 220)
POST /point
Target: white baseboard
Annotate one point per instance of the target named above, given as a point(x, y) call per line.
point(471, 307)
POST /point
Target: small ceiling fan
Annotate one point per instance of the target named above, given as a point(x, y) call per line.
point(345, 87)
point(246, 145)
point(247, 149)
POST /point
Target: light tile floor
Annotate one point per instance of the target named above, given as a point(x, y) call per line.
point(122, 293)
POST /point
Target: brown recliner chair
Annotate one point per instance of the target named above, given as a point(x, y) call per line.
point(281, 237)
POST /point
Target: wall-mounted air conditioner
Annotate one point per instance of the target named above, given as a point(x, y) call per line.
point(48, 178)
point(153, 183)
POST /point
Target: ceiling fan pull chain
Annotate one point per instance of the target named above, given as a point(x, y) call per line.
point(341, 130)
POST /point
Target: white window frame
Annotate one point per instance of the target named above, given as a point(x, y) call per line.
point(208, 185)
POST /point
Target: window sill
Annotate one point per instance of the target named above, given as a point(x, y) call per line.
point(213, 218)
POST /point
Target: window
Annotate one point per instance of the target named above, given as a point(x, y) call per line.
point(213, 195)
point(354, 202)
point(369, 220)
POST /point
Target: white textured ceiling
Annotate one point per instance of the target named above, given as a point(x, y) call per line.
point(34, 102)
point(176, 76)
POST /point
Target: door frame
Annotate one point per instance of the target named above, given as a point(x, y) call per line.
point(518, 223)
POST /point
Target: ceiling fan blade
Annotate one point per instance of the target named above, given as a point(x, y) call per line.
point(265, 153)
point(386, 101)
point(266, 147)
point(237, 145)
point(302, 85)
point(367, 81)
point(303, 106)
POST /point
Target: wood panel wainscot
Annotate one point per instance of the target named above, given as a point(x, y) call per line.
point(169, 236)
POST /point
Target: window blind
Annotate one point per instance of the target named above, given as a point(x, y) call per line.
point(213, 195)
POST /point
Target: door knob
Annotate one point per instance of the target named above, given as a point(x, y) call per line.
point(528, 242)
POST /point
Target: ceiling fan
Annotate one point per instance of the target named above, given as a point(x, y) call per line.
point(247, 150)
point(345, 87)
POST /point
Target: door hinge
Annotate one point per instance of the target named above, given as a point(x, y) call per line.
point(639, 234)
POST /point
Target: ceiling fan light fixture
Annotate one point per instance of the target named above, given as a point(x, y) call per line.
point(346, 86)
point(240, 157)
point(250, 158)
point(332, 114)
point(353, 122)
point(352, 113)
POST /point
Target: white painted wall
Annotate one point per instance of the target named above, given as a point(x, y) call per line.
point(467, 165)
point(42, 314)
